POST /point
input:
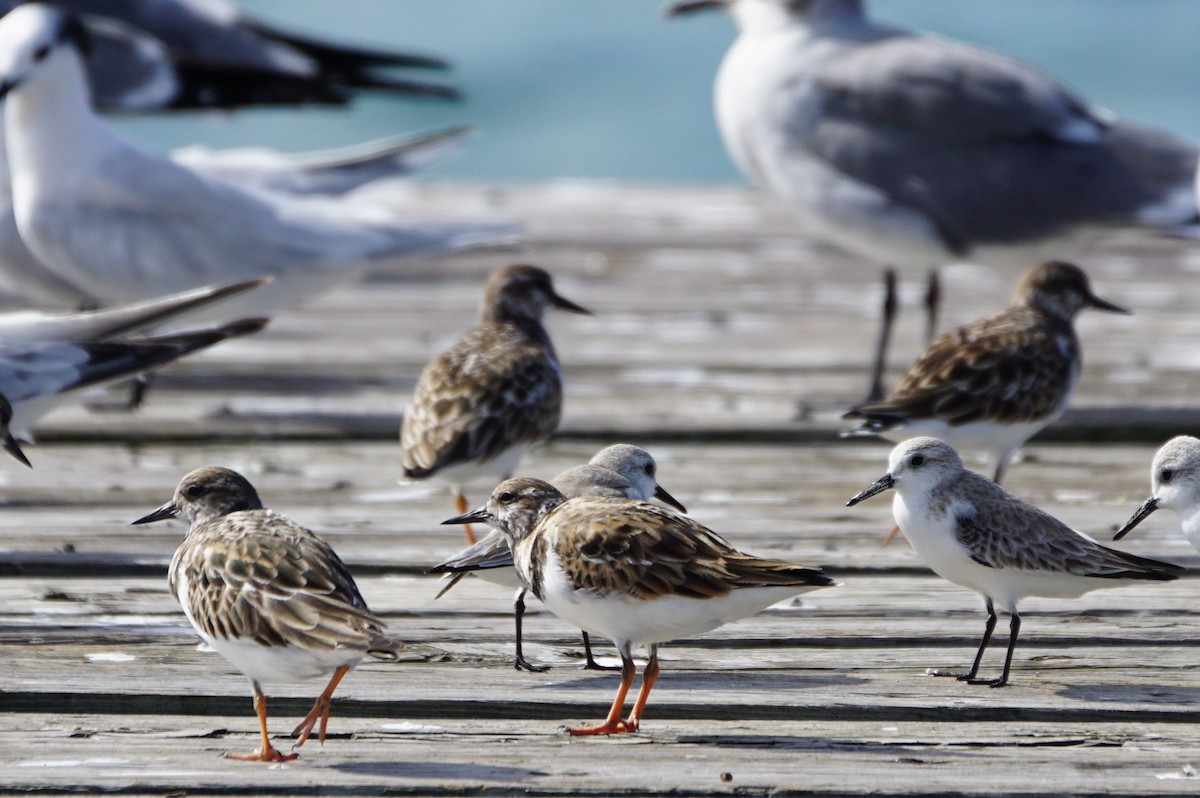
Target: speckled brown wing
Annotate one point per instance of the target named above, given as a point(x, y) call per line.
point(633, 548)
point(1010, 533)
point(1013, 367)
point(255, 575)
point(495, 389)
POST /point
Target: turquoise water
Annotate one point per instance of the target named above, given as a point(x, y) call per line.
point(610, 89)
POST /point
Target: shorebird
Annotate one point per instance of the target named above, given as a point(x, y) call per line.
point(621, 471)
point(268, 595)
point(908, 148)
point(117, 223)
point(1175, 485)
point(634, 572)
point(974, 533)
point(482, 403)
point(996, 382)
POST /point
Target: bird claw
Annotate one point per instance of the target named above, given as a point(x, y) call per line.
point(522, 664)
point(616, 727)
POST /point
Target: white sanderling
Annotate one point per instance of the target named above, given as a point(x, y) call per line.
point(1175, 485)
point(974, 533)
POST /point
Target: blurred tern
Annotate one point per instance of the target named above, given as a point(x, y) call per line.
point(119, 224)
point(35, 376)
point(206, 54)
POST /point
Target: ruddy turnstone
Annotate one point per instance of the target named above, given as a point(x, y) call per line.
point(974, 533)
point(913, 149)
point(1175, 485)
point(994, 383)
point(632, 571)
point(497, 392)
point(621, 471)
point(269, 595)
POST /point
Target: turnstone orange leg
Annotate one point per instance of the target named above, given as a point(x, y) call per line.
point(649, 675)
point(266, 752)
point(320, 710)
point(460, 501)
point(613, 723)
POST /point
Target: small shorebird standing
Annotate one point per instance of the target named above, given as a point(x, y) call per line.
point(994, 383)
point(480, 405)
point(974, 533)
point(1175, 485)
point(634, 572)
point(620, 471)
point(268, 595)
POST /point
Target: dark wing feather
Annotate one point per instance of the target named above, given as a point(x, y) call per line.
point(1010, 368)
point(256, 575)
point(910, 115)
point(617, 546)
point(1015, 534)
point(494, 389)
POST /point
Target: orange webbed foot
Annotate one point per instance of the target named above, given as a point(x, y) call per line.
point(615, 727)
point(268, 754)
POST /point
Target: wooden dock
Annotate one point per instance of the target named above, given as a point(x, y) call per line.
point(725, 344)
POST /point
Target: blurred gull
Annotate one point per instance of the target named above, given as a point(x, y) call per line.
point(207, 54)
point(909, 148)
point(118, 224)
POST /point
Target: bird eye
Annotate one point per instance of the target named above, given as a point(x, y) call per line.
point(506, 497)
point(650, 469)
point(195, 491)
point(1165, 475)
point(917, 460)
point(41, 52)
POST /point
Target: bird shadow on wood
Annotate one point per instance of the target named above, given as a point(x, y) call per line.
point(438, 770)
point(723, 680)
point(1131, 693)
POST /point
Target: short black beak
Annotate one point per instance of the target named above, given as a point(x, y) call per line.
point(168, 510)
point(681, 7)
point(566, 304)
point(885, 482)
point(661, 494)
point(1148, 506)
point(1104, 304)
point(12, 447)
point(479, 516)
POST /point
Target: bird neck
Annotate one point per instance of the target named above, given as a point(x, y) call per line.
point(50, 124)
point(756, 16)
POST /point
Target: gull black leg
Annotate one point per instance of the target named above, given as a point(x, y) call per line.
point(933, 303)
point(521, 663)
point(887, 318)
point(969, 676)
point(591, 664)
point(1014, 628)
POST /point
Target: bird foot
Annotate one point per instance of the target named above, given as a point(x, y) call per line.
point(1001, 682)
point(592, 665)
point(962, 677)
point(319, 712)
point(615, 727)
point(267, 754)
point(522, 664)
